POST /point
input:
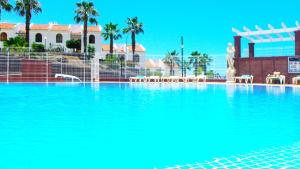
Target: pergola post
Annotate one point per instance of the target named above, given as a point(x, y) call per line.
point(251, 50)
point(297, 43)
point(237, 46)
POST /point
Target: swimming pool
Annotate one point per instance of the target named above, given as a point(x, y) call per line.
point(140, 126)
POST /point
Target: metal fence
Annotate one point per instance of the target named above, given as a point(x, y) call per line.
point(26, 66)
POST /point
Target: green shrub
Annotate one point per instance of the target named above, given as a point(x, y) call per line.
point(38, 47)
point(15, 42)
point(74, 44)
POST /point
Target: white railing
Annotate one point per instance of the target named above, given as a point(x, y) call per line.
point(24, 66)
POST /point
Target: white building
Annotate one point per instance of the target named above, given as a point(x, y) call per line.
point(52, 35)
point(120, 49)
point(160, 65)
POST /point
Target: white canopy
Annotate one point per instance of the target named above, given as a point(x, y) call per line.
point(272, 34)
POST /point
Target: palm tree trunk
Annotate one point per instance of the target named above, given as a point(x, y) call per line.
point(27, 23)
point(85, 37)
point(204, 69)
point(111, 45)
point(133, 42)
point(196, 68)
point(171, 68)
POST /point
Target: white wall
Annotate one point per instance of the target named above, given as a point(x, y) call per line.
point(10, 33)
point(51, 38)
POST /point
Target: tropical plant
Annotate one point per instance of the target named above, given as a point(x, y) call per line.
point(210, 74)
point(135, 28)
point(205, 61)
point(91, 50)
point(111, 32)
point(86, 13)
point(171, 59)
point(25, 8)
point(200, 62)
point(185, 65)
point(195, 61)
point(38, 47)
point(73, 44)
point(5, 5)
point(16, 42)
point(111, 59)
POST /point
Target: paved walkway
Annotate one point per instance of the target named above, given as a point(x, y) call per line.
point(279, 157)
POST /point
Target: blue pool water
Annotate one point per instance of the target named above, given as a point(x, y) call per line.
point(137, 126)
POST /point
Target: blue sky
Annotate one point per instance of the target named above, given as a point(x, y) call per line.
point(205, 25)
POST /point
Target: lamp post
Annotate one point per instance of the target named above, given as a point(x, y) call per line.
point(45, 43)
point(182, 62)
point(126, 56)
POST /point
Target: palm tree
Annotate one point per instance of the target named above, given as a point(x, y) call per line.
point(195, 60)
point(86, 13)
point(111, 32)
point(171, 59)
point(4, 5)
point(25, 8)
point(135, 28)
point(205, 60)
point(186, 65)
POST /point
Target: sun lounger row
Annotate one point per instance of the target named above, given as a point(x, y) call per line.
point(169, 79)
point(271, 78)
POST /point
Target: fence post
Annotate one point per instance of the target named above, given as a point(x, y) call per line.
point(7, 67)
point(125, 65)
point(61, 62)
point(29, 53)
point(47, 67)
point(84, 55)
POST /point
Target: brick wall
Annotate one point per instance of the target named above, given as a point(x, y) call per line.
point(260, 67)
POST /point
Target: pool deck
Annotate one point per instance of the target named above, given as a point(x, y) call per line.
point(201, 83)
point(279, 157)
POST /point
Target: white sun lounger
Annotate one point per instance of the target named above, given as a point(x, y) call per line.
point(275, 76)
point(201, 77)
point(174, 79)
point(188, 78)
point(137, 79)
point(295, 80)
point(246, 78)
point(165, 79)
point(68, 77)
point(193, 78)
point(152, 79)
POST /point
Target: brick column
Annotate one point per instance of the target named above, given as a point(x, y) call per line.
point(237, 46)
point(297, 43)
point(251, 50)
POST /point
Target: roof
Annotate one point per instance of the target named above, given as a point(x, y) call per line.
point(106, 47)
point(39, 27)
point(94, 29)
point(60, 27)
point(155, 64)
point(121, 48)
point(7, 26)
point(138, 48)
point(51, 26)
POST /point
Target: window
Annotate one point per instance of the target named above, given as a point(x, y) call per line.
point(59, 38)
point(92, 39)
point(3, 36)
point(38, 37)
point(136, 58)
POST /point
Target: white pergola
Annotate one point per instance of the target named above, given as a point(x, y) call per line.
point(283, 34)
